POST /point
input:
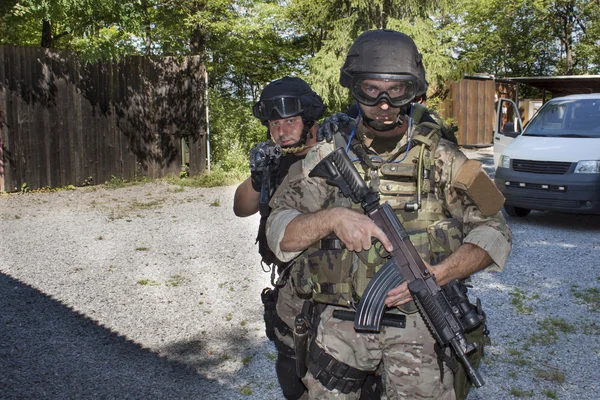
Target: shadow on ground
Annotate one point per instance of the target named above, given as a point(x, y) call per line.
point(49, 351)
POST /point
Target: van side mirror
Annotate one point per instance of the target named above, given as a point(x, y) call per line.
point(509, 130)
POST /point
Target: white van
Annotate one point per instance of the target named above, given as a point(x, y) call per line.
point(554, 163)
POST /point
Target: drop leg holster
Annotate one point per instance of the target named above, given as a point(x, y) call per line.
point(332, 373)
point(273, 321)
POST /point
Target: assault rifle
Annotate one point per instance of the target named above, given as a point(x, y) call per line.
point(446, 321)
point(264, 159)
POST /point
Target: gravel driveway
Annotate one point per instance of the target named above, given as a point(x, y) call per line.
point(152, 292)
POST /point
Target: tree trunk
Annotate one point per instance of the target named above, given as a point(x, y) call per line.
point(198, 43)
point(46, 34)
point(148, 37)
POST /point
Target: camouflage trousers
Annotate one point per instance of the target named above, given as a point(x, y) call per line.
point(408, 356)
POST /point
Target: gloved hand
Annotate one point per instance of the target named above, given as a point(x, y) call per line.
point(332, 124)
point(262, 155)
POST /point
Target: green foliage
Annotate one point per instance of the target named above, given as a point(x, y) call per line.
point(247, 43)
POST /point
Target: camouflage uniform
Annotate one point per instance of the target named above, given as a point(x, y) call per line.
point(411, 366)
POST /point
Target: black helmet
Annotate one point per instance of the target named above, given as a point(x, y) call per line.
point(288, 97)
point(384, 55)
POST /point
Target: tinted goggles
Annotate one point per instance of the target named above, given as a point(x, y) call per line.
point(372, 89)
point(285, 106)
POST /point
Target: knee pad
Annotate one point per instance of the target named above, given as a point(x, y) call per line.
point(291, 385)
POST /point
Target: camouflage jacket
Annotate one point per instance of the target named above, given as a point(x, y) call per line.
point(300, 194)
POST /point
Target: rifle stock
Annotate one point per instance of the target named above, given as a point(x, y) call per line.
point(404, 263)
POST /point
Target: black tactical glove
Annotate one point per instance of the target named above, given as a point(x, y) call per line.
point(332, 124)
point(262, 155)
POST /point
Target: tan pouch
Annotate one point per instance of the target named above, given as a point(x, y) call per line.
point(472, 180)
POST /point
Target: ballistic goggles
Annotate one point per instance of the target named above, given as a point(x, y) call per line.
point(372, 89)
point(285, 106)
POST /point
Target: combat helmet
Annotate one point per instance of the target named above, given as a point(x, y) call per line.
point(384, 55)
point(288, 97)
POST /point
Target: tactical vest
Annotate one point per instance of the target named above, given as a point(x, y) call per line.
point(337, 276)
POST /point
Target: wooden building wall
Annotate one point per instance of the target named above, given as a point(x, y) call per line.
point(471, 104)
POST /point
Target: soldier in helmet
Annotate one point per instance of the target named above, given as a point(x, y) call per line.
point(443, 200)
point(289, 108)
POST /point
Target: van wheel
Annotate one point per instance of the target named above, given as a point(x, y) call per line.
point(517, 211)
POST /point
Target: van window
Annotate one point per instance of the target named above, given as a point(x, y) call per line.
point(567, 118)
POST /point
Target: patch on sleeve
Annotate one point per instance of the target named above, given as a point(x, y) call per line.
point(472, 180)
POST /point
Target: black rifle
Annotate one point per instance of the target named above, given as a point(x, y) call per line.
point(264, 160)
point(447, 322)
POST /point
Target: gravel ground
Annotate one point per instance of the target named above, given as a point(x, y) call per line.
point(152, 292)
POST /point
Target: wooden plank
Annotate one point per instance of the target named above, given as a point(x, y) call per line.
point(13, 177)
point(54, 126)
point(76, 70)
point(127, 156)
point(17, 126)
point(62, 106)
point(111, 160)
point(39, 113)
point(4, 170)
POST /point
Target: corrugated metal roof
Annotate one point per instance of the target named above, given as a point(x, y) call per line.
point(563, 85)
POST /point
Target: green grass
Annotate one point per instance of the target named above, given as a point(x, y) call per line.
point(591, 297)
point(551, 394)
point(147, 205)
point(518, 392)
point(175, 280)
point(148, 282)
point(549, 330)
point(217, 177)
point(246, 390)
point(518, 299)
point(551, 375)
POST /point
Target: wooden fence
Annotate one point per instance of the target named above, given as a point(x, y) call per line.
point(471, 103)
point(65, 122)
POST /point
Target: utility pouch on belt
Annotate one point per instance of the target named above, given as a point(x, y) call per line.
point(472, 180)
point(269, 300)
point(462, 384)
point(302, 327)
point(479, 336)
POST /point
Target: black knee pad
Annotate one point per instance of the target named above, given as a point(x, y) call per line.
point(291, 385)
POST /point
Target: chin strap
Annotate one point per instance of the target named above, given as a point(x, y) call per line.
point(300, 144)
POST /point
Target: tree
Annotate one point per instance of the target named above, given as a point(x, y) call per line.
point(524, 38)
point(330, 27)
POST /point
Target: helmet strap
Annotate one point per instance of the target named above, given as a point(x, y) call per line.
point(378, 126)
